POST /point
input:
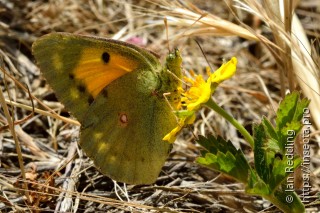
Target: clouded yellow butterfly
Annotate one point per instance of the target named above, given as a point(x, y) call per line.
point(115, 90)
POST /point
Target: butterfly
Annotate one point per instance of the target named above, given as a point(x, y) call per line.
point(116, 91)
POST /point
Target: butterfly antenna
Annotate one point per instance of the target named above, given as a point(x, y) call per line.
point(167, 32)
point(204, 54)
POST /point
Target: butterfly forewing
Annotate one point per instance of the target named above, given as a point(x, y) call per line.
point(79, 67)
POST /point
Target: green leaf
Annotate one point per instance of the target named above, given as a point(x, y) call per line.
point(221, 155)
point(221, 162)
point(292, 126)
point(260, 157)
point(269, 128)
point(271, 169)
point(274, 158)
point(272, 141)
point(281, 170)
point(256, 185)
point(287, 201)
point(287, 109)
point(289, 117)
point(273, 145)
point(302, 105)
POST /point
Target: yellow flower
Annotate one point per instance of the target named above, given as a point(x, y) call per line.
point(225, 72)
point(201, 90)
point(198, 94)
point(185, 118)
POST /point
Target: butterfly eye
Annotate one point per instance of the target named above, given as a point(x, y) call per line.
point(106, 57)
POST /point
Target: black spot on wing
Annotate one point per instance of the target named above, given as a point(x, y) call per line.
point(90, 99)
point(105, 57)
point(81, 88)
point(71, 76)
point(104, 92)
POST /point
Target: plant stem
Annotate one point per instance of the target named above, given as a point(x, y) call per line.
point(211, 104)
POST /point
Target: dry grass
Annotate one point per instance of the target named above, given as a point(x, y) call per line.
point(57, 174)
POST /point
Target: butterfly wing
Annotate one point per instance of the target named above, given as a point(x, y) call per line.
point(79, 67)
point(111, 88)
point(129, 120)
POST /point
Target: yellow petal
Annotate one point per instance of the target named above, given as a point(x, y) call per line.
point(172, 136)
point(187, 118)
point(226, 71)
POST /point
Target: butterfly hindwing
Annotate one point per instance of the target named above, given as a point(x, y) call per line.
point(125, 126)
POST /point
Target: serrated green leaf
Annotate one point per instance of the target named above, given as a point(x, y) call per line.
point(213, 145)
point(226, 161)
point(273, 145)
point(286, 110)
point(288, 134)
point(253, 178)
point(260, 157)
point(222, 156)
point(289, 117)
point(272, 141)
point(269, 128)
point(287, 201)
point(282, 169)
point(208, 144)
point(272, 159)
point(291, 130)
point(220, 162)
point(256, 185)
point(270, 169)
point(303, 104)
point(208, 160)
